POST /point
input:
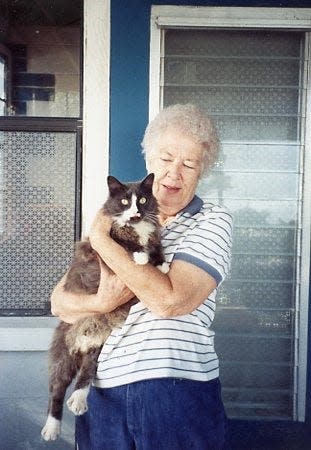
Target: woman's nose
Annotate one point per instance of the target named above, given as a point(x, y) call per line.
point(174, 170)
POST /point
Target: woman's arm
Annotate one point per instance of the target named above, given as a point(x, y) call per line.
point(71, 307)
point(179, 292)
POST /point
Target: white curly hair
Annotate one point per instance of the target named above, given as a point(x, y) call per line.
point(191, 121)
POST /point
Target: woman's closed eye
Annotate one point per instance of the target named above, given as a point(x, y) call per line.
point(189, 166)
point(166, 159)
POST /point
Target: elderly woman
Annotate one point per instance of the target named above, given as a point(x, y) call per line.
point(157, 383)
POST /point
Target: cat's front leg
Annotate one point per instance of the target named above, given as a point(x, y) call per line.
point(141, 258)
point(157, 258)
point(164, 267)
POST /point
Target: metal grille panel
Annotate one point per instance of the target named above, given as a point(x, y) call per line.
point(37, 205)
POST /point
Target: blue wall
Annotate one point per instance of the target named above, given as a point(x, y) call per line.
point(130, 21)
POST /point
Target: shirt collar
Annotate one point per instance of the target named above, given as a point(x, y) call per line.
point(193, 207)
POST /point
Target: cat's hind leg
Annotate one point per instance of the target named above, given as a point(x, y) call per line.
point(51, 429)
point(60, 380)
point(62, 370)
point(77, 402)
point(157, 259)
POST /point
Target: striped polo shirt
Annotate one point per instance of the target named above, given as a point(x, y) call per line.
point(148, 346)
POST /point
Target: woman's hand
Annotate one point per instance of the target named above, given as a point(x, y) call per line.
point(112, 292)
point(65, 305)
point(71, 307)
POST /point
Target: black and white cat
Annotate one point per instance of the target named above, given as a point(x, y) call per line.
point(75, 347)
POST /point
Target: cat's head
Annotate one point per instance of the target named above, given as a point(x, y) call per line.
point(131, 202)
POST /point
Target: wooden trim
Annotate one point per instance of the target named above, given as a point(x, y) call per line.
point(95, 160)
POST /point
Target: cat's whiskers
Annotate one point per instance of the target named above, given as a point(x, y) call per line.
point(152, 217)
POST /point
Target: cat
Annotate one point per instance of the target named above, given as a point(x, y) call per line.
point(75, 347)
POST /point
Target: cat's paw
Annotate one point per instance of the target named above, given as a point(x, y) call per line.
point(164, 267)
point(77, 401)
point(51, 429)
point(140, 258)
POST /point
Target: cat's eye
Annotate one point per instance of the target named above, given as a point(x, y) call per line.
point(142, 200)
point(124, 201)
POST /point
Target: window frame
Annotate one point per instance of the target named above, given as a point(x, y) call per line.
point(35, 333)
point(252, 18)
point(6, 54)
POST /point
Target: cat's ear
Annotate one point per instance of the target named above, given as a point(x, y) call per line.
point(114, 185)
point(148, 181)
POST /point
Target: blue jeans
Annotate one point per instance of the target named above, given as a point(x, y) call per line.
point(160, 414)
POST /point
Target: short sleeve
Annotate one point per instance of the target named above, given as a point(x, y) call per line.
point(207, 243)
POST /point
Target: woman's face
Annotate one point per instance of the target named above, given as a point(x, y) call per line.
point(177, 165)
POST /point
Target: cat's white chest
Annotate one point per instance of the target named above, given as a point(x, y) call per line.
point(144, 230)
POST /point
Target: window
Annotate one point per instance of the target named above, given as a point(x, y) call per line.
point(40, 147)
point(249, 70)
point(42, 42)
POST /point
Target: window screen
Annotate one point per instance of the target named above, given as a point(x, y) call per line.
point(250, 83)
point(37, 213)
